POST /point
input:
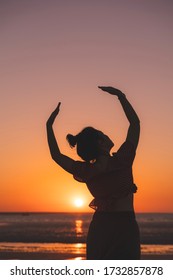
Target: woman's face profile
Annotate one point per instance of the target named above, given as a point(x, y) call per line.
point(105, 143)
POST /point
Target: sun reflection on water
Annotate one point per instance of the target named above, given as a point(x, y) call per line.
point(78, 227)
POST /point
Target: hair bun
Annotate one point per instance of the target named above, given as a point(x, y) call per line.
point(72, 140)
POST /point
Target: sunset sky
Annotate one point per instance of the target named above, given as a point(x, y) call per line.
point(53, 50)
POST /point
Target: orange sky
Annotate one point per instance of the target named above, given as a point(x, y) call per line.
point(55, 51)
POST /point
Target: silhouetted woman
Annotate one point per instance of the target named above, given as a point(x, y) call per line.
point(113, 233)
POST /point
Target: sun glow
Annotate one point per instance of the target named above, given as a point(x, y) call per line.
point(78, 202)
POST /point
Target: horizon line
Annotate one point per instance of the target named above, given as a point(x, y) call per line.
point(73, 212)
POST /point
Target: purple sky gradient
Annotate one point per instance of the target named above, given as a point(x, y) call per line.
point(55, 51)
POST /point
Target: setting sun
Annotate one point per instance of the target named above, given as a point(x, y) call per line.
point(78, 202)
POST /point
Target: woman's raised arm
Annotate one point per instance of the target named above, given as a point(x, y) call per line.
point(134, 128)
point(65, 162)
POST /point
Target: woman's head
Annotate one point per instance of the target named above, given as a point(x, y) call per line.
point(90, 143)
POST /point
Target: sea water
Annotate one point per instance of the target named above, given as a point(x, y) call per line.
point(66, 232)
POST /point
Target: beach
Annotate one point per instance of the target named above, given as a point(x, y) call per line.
point(62, 236)
point(55, 256)
point(77, 251)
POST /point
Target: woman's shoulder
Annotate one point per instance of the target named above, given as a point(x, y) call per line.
point(83, 171)
point(126, 153)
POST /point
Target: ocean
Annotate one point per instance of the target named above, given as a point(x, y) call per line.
point(65, 233)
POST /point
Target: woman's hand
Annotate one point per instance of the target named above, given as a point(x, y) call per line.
point(54, 114)
point(113, 91)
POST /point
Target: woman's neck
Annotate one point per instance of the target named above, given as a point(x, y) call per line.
point(103, 158)
point(104, 154)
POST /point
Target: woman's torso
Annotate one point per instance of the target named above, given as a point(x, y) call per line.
point(110, 180)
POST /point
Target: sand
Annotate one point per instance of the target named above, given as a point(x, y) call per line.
point(66, 256)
